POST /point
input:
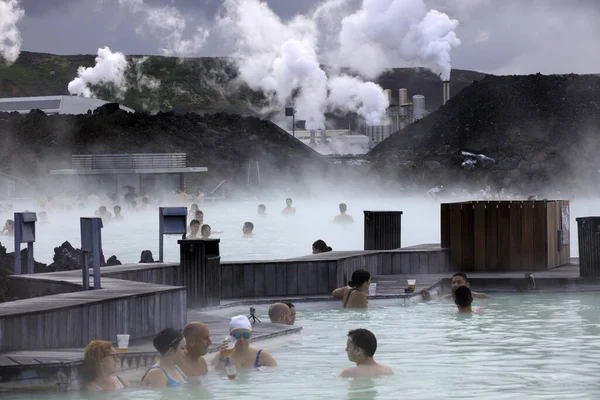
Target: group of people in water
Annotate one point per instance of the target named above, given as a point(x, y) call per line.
point(182, 354)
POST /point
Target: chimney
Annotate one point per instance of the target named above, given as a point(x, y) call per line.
point(402, 97)
point(446, 95)
point(313, 136)
point(323, 135)
point(388, 94)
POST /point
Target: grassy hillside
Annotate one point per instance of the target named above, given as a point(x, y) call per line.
point(195, 84)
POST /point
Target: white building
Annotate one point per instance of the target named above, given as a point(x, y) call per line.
point(53, 104)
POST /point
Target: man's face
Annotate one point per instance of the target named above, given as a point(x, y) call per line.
point(350, 350)
point(200, 217)
point(200, 342)
point(288, 202)
point(292, 315)
point(458, 281)
point(246, 230)
point(194, 228)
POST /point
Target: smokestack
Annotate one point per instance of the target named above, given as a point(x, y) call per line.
point(446, 95)
point(313, 136)
point(388, 93)
point(418, 106)
point(323, 135)
point(402, 97)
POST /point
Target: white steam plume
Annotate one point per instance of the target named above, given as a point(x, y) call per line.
point(281, 60)
point(364, 98)
point(387, 33)
point(167, 24)
point(10, 37)
point(110, 68)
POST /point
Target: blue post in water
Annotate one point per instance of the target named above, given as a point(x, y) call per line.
point(171, 221)
point(24, 233)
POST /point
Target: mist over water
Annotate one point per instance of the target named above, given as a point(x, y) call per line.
point(275, 236)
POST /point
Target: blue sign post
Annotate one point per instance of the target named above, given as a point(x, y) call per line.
point(24, 233)
point(171, 221)
point(91, 242)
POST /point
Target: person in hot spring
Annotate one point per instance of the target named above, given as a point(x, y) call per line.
point(262, 210)
point(360, 349)
point(288, 210)
point(118, 216)
point(355, 294)
point(343, 218)
point(205, 231)
point(320, 247)
point(9, 228)
point(247, 229)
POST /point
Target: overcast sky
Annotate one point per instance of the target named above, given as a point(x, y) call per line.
point(498, 36)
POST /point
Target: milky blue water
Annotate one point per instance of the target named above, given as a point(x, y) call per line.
point(521, 346)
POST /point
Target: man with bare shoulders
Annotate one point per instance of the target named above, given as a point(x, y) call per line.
point(463, 298)
point(460, 279)
point(360, 348)
point(197, 337)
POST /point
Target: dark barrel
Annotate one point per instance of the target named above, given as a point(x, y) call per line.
point(201, 271)
point(588, 232)
point(383, 230)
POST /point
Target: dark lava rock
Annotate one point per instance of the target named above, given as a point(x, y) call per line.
point(221, 142)
point(112, 260)
point(107, 109)
point(68, 258)
point(528, 131)
point(146, 257)
point(7, 262)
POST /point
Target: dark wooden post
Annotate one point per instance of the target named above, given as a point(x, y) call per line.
point(588, 231)
point(201, 271)
point(383, 230)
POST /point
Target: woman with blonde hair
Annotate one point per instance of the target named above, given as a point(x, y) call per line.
point(99, 368)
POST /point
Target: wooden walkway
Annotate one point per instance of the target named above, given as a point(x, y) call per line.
point(140, 348)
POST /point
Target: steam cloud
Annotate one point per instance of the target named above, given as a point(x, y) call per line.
point(281, 60)
point(385, 33)
point(167, 24)
point(10, 37)
point(110, 68)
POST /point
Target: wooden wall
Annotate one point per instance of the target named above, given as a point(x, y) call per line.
point(75, 325)
point(414, 262)
point(503, 235)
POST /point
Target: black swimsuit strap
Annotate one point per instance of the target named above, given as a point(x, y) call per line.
point(348, 296)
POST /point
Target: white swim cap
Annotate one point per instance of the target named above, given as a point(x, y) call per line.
point(240, 322)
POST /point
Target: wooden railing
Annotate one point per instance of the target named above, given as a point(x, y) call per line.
point(128, 161)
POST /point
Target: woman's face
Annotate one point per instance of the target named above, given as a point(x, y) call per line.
point(177, 352)
point(206, 232)
point(242, 337)
point(108, 364)
point(315, 251)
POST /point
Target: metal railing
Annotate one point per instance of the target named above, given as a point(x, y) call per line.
point(128, 161)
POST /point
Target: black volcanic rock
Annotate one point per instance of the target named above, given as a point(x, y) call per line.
point(7, 262)
point(68, 258)
point(509, 131)
point(113, 260)
point(146, 257)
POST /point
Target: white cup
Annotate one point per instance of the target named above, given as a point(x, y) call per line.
point(123, 343)
point(412, 283)
point(372, 289)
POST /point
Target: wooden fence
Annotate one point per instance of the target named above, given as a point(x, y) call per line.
point(506, 235)
point(128, 161)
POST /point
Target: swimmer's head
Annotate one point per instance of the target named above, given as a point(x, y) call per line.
point(288, 201)
point(292, 308)
point(360, 279)
point(205, 231)
point(343, 207)
point(320, 247)
point(194, 207)
point(248, 228)
point(459, 279)
point(103, 209)
point(262, 209)
point(199, 215)
point(463, 297)
point(194, 226)
point(280, 313)
point(361, 344)
point(117, 210)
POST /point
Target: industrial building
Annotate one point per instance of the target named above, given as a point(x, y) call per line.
point(53, 104)
point(334, 141)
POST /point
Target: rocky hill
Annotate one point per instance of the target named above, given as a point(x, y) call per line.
point(194, 84)
point(32, 144)
point(513, 132)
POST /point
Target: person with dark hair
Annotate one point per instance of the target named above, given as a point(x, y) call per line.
point(343, 218)
point(165, 373)
point(194, 230)
point(262, 210)
point(197, 342)
point(199, 215)
point(99, 367)
point(279, 313)
point(193, 211)
point(288, 210)
point(205, 231)
point(320, 247)
point(460, 279)
point(118, 216)
point(360, 348)
point(292, 308)
point(247, 229)
point(463, 299)
point(355, 294)
point(9, 228)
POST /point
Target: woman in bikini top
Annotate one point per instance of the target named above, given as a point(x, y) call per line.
point(354, 295)
point(165, 373)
